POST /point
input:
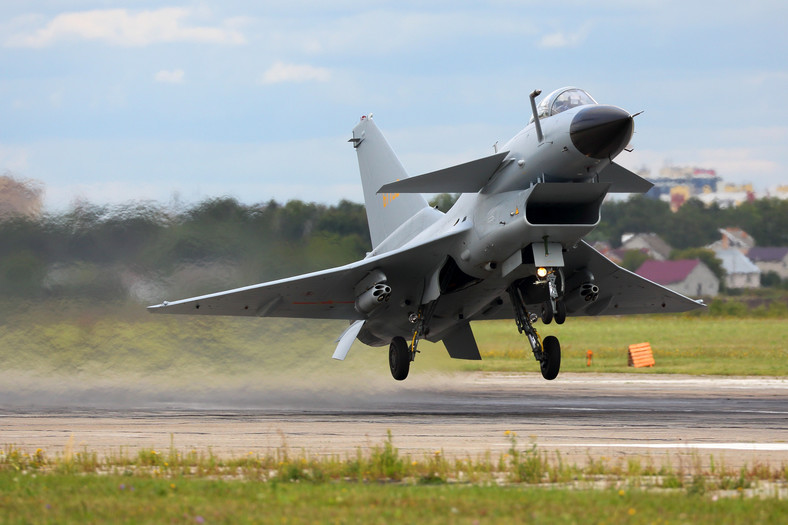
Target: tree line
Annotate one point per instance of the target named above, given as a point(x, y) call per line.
point(100, 251)
point(694, 225)
point(110, 251)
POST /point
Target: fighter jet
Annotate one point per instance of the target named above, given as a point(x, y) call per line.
point(511, 247)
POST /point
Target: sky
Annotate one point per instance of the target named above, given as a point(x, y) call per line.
point(119, 101)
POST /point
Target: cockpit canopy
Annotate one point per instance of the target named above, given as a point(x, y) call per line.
point(561, 100)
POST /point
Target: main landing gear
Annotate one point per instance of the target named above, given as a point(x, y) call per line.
point(400, 357)
point(550, 363)
point(547, 352)
point(400, 353)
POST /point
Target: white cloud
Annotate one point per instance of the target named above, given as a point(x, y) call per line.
point(124, 28)
point(768, 137)
point(113, 171)
point(738, 161)
point(734, 165)
point(170, 77)
point(394, 30)
point(560, 39)
point(281, 72)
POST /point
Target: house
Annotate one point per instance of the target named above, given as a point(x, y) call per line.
point(651, 243)
point(604, 248)
point(770, 259)
point(733, 238)
point(626, 258)
point(740, 272)
point(688, 276)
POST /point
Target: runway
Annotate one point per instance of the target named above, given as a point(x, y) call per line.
point(616, 416)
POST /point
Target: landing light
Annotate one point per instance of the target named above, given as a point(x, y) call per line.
point(541, 272)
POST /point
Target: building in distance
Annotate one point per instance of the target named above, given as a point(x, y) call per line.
point(19, 198)
point(677, 184)
point(650, 243)
point(770, 259)
point(733, 238)
point(687, 276)
point(697, 180)
point(740, 272)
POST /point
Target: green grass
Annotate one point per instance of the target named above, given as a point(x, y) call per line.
point(105, 340)
point(681, 344)
point(520, 464)
point(114, 499)
point(379, 485)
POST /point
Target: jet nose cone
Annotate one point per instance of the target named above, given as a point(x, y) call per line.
point(601, 132)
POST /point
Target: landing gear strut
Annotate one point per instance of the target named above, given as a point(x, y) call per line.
point(547, 352)
point(400, 354)
point(554, 307)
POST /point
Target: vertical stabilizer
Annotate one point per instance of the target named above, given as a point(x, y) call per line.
point(379, 165)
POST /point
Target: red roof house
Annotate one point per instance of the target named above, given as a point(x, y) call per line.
point(688, 276)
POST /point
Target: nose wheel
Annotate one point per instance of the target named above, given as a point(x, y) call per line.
point(553, 310)
point(560, 311)
point(547, 312)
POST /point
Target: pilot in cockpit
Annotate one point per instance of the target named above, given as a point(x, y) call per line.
point(562, 100)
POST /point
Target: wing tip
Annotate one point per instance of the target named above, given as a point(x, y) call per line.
point(157, 307)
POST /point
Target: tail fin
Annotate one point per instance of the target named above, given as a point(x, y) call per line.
point(379, 165)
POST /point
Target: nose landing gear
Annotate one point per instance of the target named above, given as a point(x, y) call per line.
point(547, 352)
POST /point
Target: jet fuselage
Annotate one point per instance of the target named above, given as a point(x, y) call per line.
point(544, 194)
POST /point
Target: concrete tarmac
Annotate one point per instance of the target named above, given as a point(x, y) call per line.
point(742, 420)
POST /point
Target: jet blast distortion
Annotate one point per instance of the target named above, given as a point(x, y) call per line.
point(510, 248)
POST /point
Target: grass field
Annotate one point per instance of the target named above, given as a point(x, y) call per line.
point(116, 344)
point(686, 345)
point(106, 339)
point(113, 499)
point(379, 486)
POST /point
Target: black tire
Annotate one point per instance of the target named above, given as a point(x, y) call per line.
point(552, 357)
point(560, 311)
point(399, 358)
point(547, 312)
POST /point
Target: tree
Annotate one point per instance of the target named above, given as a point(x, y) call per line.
point(693, 225)
point(634, 259)
point(346, 218)
point(21, 273)
point(444, 201)
point(639, 214)
point(764, 219)
point(771, 280)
